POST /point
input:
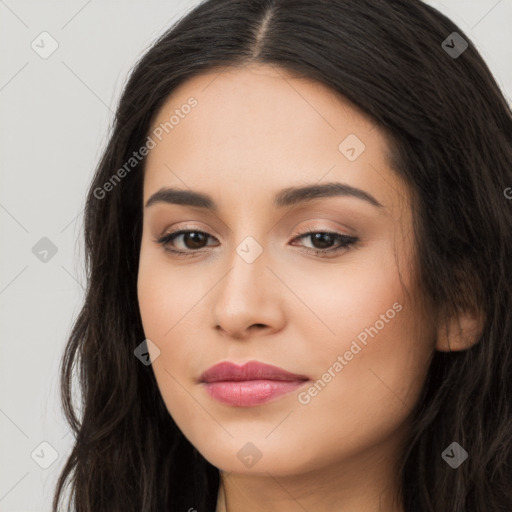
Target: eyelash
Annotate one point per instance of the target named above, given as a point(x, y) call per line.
point(347, 242)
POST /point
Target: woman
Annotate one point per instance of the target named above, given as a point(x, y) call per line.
point(301, 221)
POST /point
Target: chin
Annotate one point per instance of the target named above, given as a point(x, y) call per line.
point(258, 457)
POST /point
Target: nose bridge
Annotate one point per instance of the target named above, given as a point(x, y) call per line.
point(248, 263)
point(245, 296)
point(248, 245)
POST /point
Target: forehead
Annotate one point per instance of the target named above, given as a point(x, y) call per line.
point(259, 128)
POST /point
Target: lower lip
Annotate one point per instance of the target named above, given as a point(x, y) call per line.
point(247, 393)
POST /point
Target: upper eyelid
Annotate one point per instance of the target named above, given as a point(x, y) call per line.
point(344, 228)
point(300, 232)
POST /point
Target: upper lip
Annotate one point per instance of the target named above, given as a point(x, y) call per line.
point(253, 370)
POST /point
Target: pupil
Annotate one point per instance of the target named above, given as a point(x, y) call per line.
point(321, 237)
point(195, 240)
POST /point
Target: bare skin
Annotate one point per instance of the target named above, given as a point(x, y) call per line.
point(255, 131)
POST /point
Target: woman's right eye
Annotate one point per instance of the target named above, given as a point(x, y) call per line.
point(193, 240)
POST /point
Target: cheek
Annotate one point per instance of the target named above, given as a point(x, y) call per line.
point(164, 303)
point(340, 301)
point(370, 353)
point(165, 293)
point(174, 308)
point(366, 382)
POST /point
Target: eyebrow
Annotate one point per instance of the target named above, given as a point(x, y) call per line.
point(286, 197)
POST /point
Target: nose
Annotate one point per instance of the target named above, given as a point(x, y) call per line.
point(248, 299)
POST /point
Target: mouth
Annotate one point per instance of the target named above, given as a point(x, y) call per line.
point(248, 385)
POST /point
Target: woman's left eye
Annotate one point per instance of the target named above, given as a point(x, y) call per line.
point(323, 238)
point(193, 241)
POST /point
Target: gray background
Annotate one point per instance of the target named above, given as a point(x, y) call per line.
point(55, 114)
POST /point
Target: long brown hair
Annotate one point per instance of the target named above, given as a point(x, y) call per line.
point(452, 134)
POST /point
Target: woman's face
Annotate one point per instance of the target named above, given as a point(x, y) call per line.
point(246, 284)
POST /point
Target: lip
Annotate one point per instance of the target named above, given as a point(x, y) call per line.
point(250, 384)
